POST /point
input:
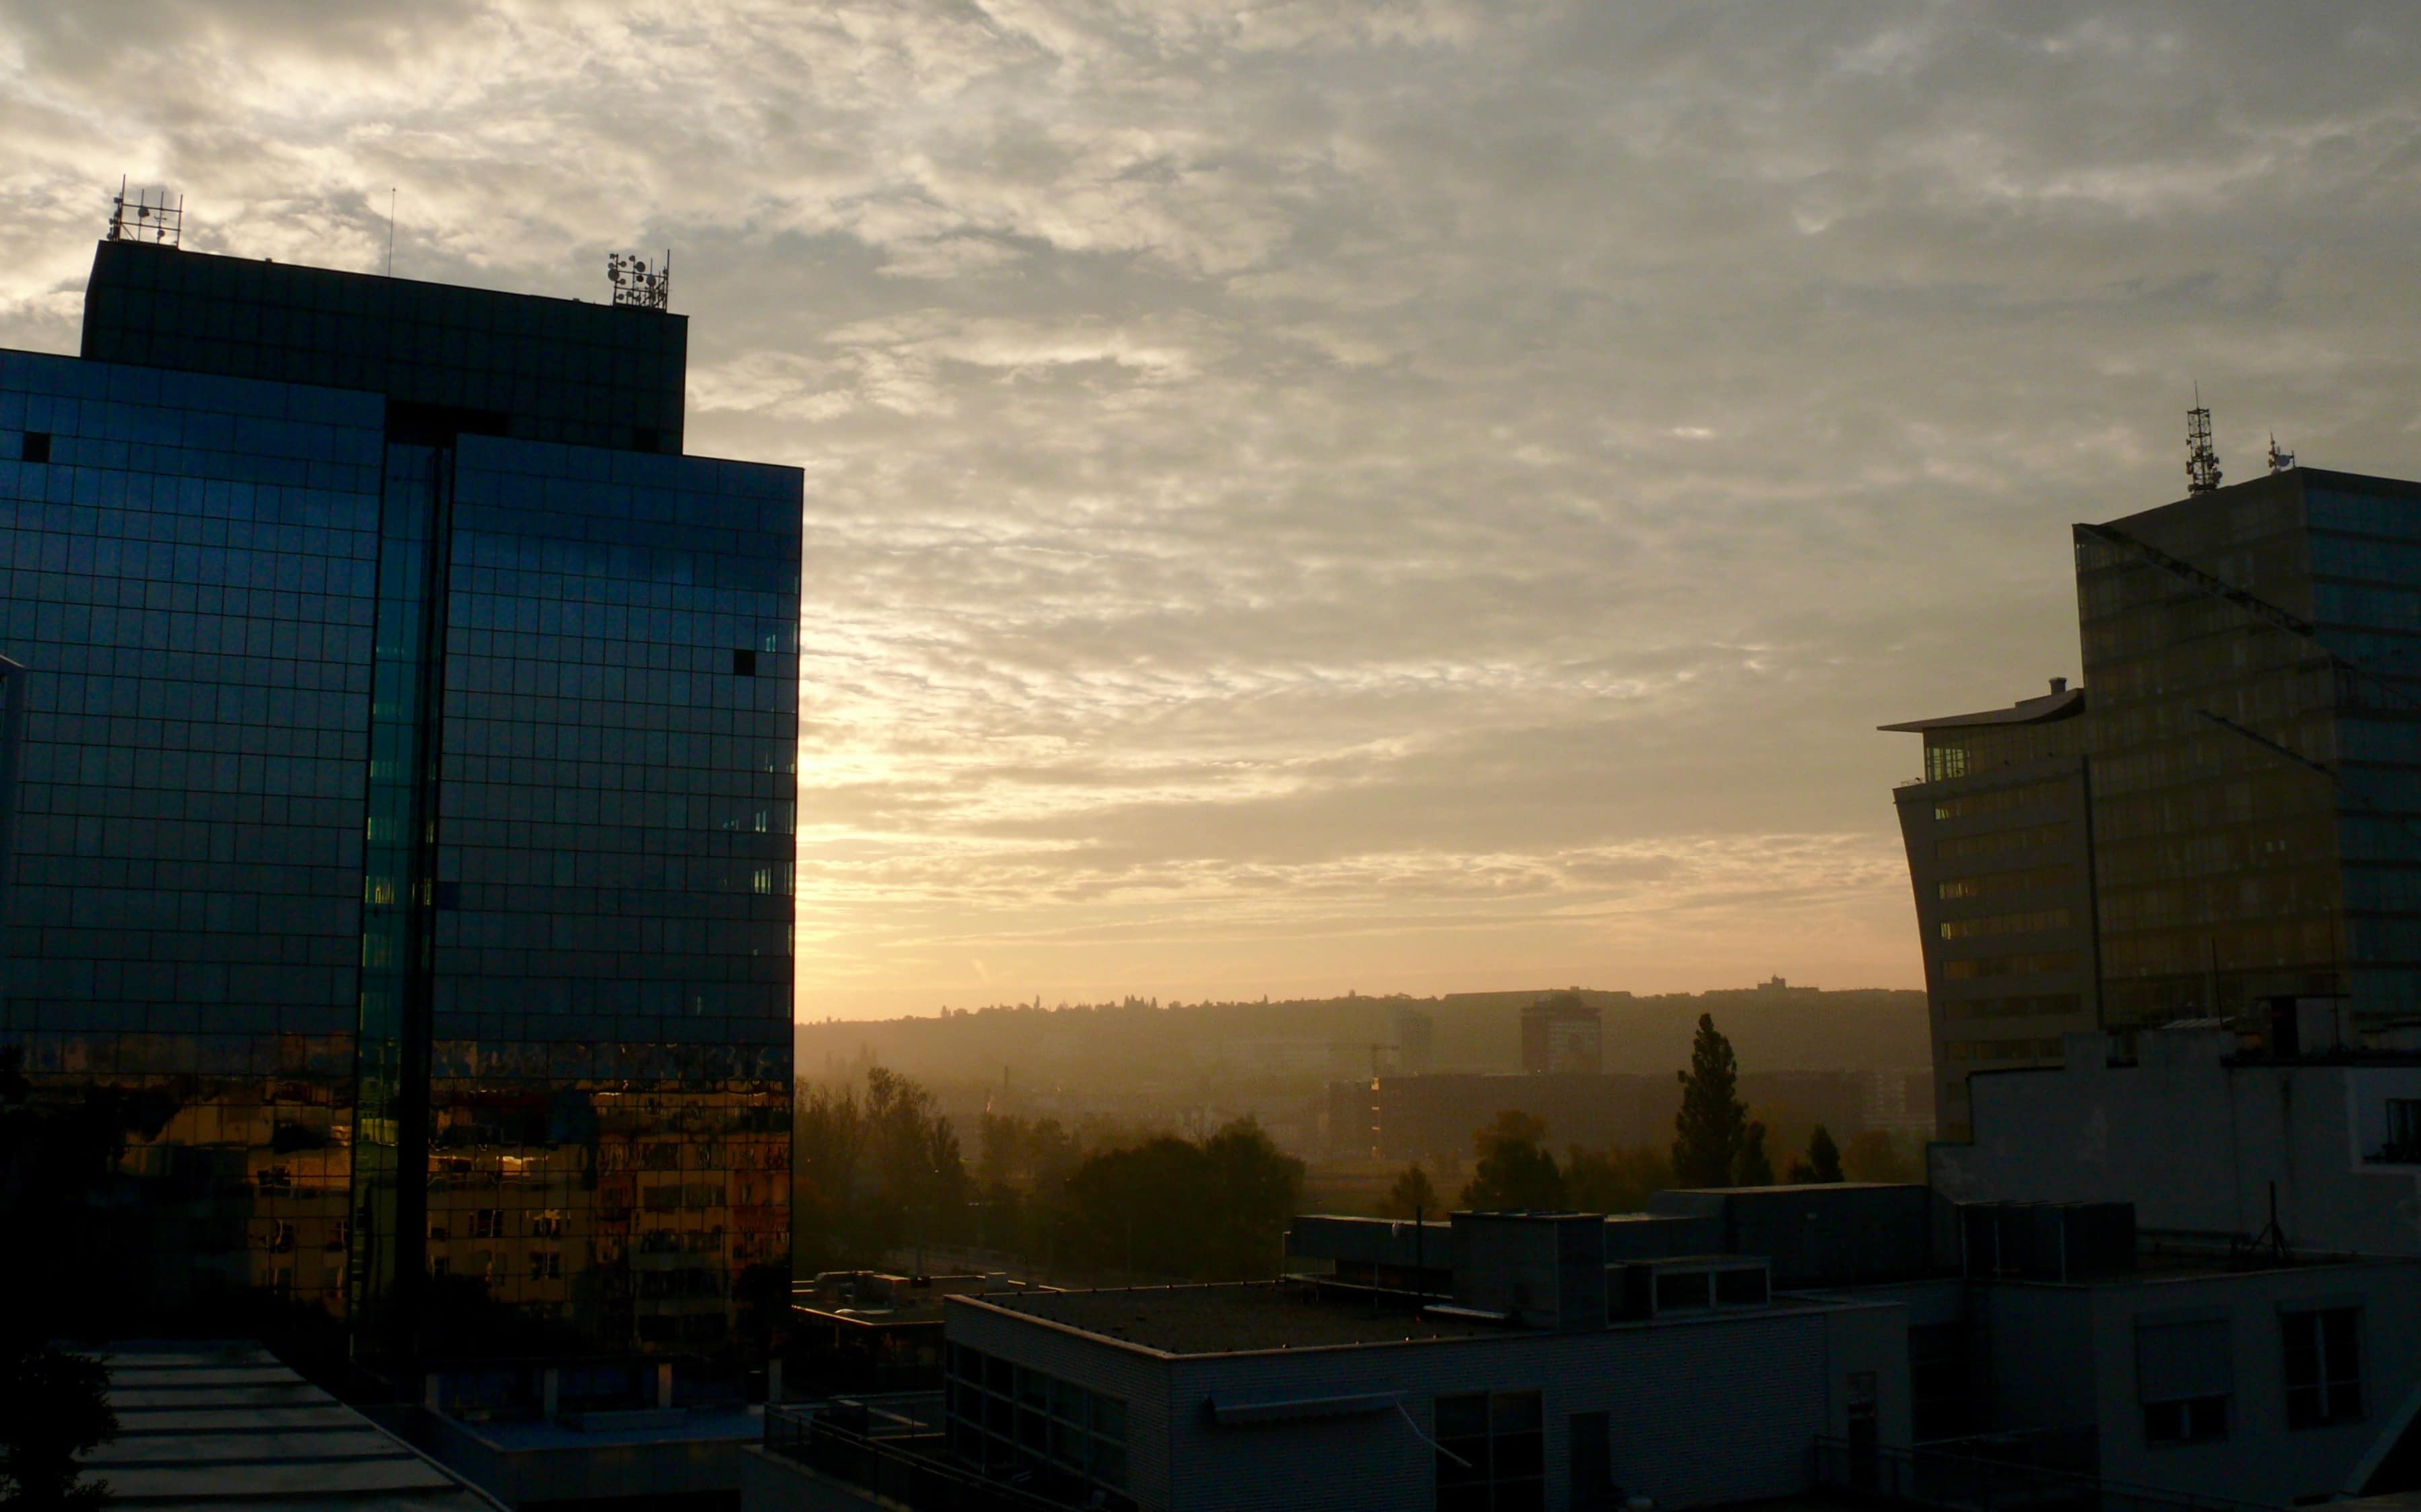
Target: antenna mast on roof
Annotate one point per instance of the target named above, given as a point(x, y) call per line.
point(639, 285)
point(2202, 463)
point(2279, 460)
point(148, 217)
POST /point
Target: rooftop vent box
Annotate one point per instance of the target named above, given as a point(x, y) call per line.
point(1686, 1284)
point(1541, 1270)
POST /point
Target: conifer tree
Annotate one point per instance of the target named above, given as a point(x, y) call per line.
point(1712, 1125)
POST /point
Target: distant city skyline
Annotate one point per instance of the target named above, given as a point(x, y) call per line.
point(1394, 497)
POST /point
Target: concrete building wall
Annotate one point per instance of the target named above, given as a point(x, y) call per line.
point(2037, 1348)
point(2195, 1141)
point(1717, 1409)
point(2262, 1460)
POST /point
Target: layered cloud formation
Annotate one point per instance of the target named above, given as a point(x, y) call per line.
point(1415, 495)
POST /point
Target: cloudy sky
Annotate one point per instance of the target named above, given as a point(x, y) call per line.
point(1399, 496)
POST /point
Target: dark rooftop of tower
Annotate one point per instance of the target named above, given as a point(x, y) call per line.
point(448, 359)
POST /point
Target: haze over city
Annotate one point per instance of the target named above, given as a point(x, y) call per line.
point(1394, 497)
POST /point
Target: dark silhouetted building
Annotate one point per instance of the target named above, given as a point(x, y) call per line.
point(2227, 829)
point(406, 797)
point(2255, 772)
point(1999, 837)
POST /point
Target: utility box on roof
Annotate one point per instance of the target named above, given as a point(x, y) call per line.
point(1822, 1233)
point(1540, 1269)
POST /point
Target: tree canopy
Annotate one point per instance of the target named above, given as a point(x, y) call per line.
point(54, 1406)
point(1755, 1167)
point(1823, 1162)
point(1711, 1128)
point(1216, 1210)
point(1414, 1196)
point(1514, 1170)
point(873, 1172)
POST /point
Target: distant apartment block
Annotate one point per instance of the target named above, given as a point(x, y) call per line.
point(1562, 1033)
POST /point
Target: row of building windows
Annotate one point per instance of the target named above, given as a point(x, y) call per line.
point(2202, 851)
point(245, 689)
point(2186, 1383)
point(78, 398)
point(763, 763)
point(2230, 896)
point(93, 471)
point(2003, 1049)
point(610, 633)
point(2025, 1005)
point(2033, 920)
point(276, 830)
point(495, 567)
point(2024, 796)
point(2373, 605)
point(74, 780)
point(1992, 882)
point(2193, 950)
point(62, 591)
point(610, 1027)
point(254, 913)
point(492, 725)
point(551, 524)
point(523, 942)
point(2027, 965)
point(306, 554)
point(603, 694)
point(1002, 1416)
point(226, 647)
point(2001, 842)
point(214, 1051)
point(622, 811)
point(174, 426)
point(1491, 1452)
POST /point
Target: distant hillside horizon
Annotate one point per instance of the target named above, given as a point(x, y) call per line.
point(1139, 1043)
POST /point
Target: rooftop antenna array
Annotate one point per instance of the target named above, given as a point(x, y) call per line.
point(147, 215)
point(2202, 463)
point(2279, 460)
point(637, 285)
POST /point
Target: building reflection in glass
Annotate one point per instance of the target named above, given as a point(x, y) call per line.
point(406, 802)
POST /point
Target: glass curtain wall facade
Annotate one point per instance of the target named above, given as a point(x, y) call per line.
point(405, 806)
point(2000, 851)
point(2255, 768)
point(191, 585)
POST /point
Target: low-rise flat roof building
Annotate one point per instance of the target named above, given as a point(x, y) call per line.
point(2203, 1138)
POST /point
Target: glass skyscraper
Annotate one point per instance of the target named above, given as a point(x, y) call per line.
point(2231, 828)
point(2254, 659)
point(404, 802)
